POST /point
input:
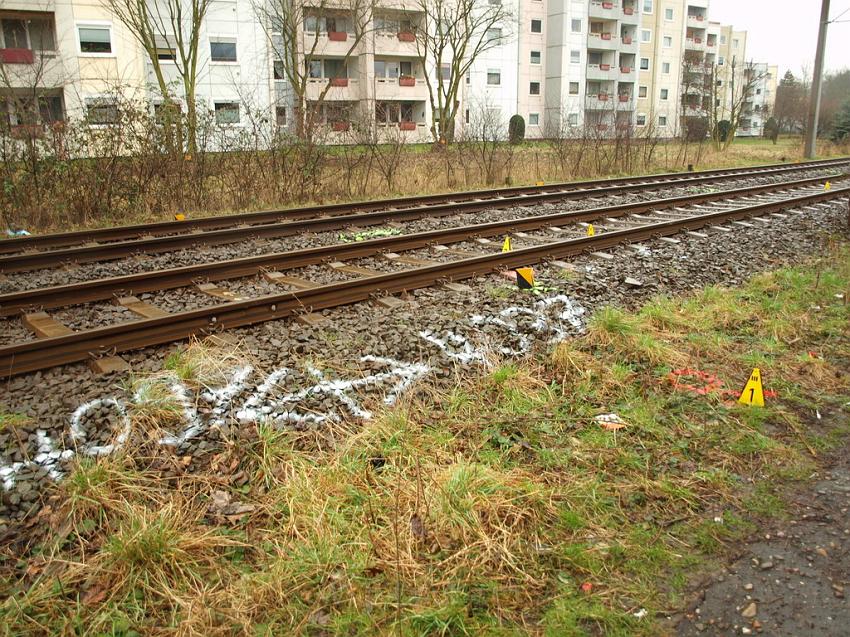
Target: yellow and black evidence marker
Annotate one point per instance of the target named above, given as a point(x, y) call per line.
point(753, 393)
point(591, 231)
point(506, 246)
point(179, 217)
point(525, 278)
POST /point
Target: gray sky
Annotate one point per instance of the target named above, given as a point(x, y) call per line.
point(785, 32)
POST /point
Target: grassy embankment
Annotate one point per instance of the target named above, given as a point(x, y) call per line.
point(235, 183)
point(498, 506)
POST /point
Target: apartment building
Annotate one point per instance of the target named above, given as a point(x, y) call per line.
point(509, 78)
point(758, 106)
point(592, 65)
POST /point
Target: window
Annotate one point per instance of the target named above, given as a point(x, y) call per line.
point(279, 70)
point(102, 111)
point(535, 57)
point(668, 41)
point(573, 88)
point(14, 34)
point(446, 72)
point(665, 67)
point(662, 120)
point(720, 60)
point(641, 91)
point(314, 69)
point(664, 93)
point(537, 26)
point(668, 14)
point(95, 40)
point(722, 39)
point(735, 43)
point(494, 77)
point(575, 26)
point(534, 88)
point(641, 119)
point(280, 115)
point(384, 69)
point(534, 119)
point(758, 91)
point(718, 83)
point(42, 37)
point(645, 35)
point(572, 119)
point(575, 57)
point(644, 64)
point(223, 50)
point(226, 112)
point(647, 6)
point(494, 34)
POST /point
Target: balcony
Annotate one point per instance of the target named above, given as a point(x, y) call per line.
point(698, 21)
point(339, 89)
point(400, 44)
point(629, 14)
point(627, 74)
point(689, 110)
point(601, 72)
point(599, 101)
point(404, 88)
point(332, 44)
point(695, 44)
point(603, 9)
point(625, 102)
point(603, 41)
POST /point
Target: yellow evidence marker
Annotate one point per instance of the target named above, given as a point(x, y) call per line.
point(180, 217)
point(591, 231)
point(525, 278)
point(506, 246)
point(827, 186)
point(753, 393)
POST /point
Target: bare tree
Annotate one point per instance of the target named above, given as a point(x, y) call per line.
point(733, 104)
point(299, 31)
point(483, 143)
point(452, 36)
point(168, 30)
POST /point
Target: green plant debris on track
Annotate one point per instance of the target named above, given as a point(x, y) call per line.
point(499, 504)
point(365, 235)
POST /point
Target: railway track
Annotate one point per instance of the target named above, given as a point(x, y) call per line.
point(619, 224)
point(29, 253)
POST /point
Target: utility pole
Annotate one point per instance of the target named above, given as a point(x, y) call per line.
point(814, 102)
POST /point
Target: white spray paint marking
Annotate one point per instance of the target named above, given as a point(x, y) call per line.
point(547, 319)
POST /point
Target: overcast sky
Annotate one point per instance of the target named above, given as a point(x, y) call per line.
point(785, 32)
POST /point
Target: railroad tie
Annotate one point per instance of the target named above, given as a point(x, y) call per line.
point(45, 326)
point(339, 266)
point(399, 258)
point(145, 310)
point(289, 281)
point(213, 290)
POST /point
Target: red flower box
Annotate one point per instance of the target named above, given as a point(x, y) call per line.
point(337, 36)
point(341, 126)
point(604, 67)
point(407, 80)
point(627, 39)
point(406, 36)
point(602, 127)
point(624, 98)
point(407, 126)
point(698, 40)
point(625, 69)
point(700, 18)
point(606, 36)
point(17, 56)
point(628, 11)
point(339, 81)
point(602, 97)
point(27, 131)
point(607, 5)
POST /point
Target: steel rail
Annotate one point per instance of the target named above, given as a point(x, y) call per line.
point(50, 352)
point(109, 251)
point(133, 284)
point(581, 188)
